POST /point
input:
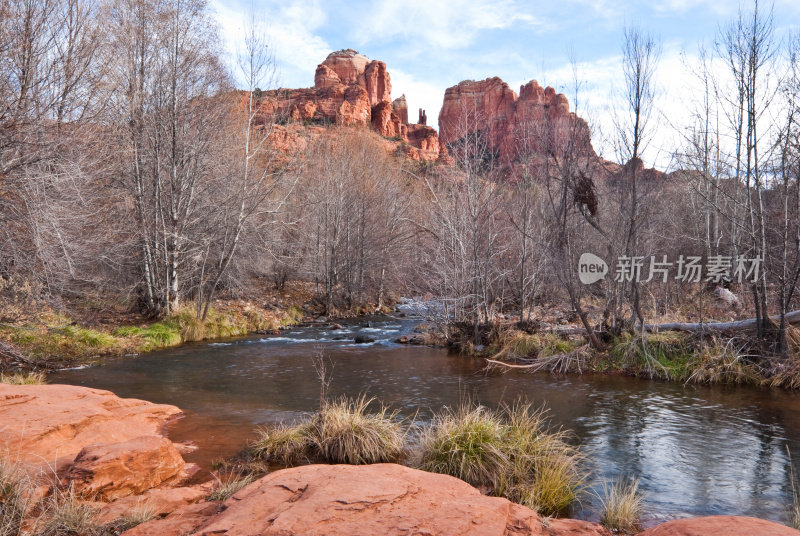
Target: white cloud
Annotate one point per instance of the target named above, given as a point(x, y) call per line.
point(419, 94)
point(682, 6)
point(291, 31)
point(438, 24)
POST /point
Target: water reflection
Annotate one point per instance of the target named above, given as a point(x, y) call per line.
point(698, 450)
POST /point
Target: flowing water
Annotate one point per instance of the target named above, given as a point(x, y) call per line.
point(698, 450)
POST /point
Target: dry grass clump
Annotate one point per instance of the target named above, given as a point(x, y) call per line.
point(513, 343)
point(24, 378)
point(343, 431)
point(283, 444)
point(15, 493)
point(141, 513)
point(508, 451)
point(230, 484)
point(65, 515)
point(724, 362)
point(621, 506)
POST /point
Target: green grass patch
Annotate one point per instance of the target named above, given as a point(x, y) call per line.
point(663, 355)
point(68, 342)
point(512, 343)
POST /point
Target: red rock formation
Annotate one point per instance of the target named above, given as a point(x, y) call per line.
point(720, 526)
point(540, 116)
point(348, 65)
point(349, 89)
point(374, 499)
point(378, 84)
point(385, 121)
point(400, 108)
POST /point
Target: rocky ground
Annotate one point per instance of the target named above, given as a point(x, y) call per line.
point(116, 455)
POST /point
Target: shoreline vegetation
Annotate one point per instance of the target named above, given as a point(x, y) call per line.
point(510, 452)
point(50, 340)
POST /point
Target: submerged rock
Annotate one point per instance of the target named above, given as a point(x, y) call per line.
point(384, 499)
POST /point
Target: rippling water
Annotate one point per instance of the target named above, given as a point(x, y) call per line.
point(698, 450)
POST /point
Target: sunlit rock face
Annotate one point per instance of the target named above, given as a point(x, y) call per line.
point(350, 89)
point(537, 122)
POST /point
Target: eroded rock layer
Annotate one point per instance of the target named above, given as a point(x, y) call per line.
point(537, 122)
point(350, 89)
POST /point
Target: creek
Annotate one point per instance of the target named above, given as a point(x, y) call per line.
point(699, 450)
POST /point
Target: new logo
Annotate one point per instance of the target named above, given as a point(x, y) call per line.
point(591, 268)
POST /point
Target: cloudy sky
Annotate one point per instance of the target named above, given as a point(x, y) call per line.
point(429, 45)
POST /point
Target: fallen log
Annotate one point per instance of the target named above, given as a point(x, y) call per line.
point(792, 318)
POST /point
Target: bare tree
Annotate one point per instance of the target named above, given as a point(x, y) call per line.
point(255, 190)
point(640, 54)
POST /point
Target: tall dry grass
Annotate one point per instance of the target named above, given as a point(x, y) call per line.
point(509, 451)
point(355, 431)
point(621, 506)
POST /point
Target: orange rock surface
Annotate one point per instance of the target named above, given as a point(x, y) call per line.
point(107, 447)
point(109, 471)
point(51, 424)
point(384, 499)
point(720, 526)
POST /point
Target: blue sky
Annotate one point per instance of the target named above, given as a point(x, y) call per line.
point(429, 45)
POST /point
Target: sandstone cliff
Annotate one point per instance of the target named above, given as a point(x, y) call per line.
point(349, 90)
point(537, 122)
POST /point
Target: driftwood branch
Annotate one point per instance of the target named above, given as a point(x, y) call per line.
point(10, 358)
point(558, 363)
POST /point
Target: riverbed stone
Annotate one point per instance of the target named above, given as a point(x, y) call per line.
point(386, 499)
point(109, 471)
point(720, 526)
point(106, 446)
point(51, 424)
point(159, 502)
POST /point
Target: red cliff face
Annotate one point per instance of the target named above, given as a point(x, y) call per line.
point(349, 89)
point(535, 123)
point(400, 107)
